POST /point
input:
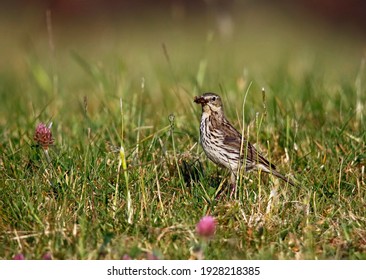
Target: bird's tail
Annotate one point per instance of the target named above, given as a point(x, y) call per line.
point(274, 172)
point(279, 175)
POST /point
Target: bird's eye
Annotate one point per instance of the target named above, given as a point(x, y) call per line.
point(213, 98)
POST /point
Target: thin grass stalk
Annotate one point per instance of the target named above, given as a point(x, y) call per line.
point(171, 120)
point(122, 163)
point(139, 118)
point(359, 92)
point(51, 45)
point(263, 116)
point(239, 176)
point(158, 186)
point(85, 175)
point(258, 125)
point(340, 180)
point(142, 184)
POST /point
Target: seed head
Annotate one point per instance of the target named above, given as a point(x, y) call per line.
point(206, 227)
point(43, 136)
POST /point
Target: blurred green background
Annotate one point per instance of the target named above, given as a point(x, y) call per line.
point(168, 43)
point(246, 34)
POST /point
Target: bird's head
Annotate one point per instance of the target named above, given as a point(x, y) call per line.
point(210, 102)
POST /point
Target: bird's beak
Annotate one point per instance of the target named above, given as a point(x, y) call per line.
point(200, 100)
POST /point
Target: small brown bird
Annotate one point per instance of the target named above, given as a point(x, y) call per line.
point(222, 142)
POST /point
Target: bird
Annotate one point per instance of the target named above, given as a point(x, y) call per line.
point(222, 143)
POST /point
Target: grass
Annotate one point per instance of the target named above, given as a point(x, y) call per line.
point(140, 98)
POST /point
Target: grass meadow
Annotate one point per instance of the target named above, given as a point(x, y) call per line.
point(111, 84)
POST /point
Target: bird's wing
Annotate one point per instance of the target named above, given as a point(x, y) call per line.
point(233, 139)
point(258, 158)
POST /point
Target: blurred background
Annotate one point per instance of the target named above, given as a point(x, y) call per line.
point(232, 35)
point(336, 12)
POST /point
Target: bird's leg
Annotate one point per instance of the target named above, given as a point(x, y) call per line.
point(233, 185)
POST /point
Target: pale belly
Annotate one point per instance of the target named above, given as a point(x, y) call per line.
point(217, 153)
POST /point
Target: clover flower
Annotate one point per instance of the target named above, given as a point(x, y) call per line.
point(43, 135)
point(206, 227)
